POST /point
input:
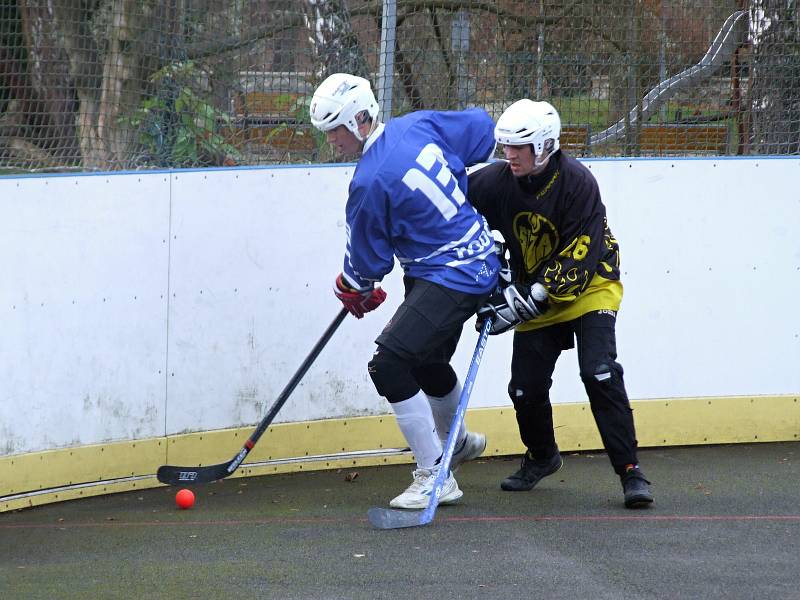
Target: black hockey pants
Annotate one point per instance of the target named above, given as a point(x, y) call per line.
point(534, 359)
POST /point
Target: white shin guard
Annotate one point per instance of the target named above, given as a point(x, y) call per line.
point(443, 410)
point(416, 421)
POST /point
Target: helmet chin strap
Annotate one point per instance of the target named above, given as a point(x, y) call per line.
point(540, 163)
point(373, 126)
point(375, 122)
point(547, 151)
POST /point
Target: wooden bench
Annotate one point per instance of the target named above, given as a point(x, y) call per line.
point(667, 140)
point(266, 123)
point(574, 139)
point(694, 139)
point(282, 136)
point(266, 105)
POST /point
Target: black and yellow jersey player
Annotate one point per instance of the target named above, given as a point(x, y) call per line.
point(556, 232)
point(564, 287)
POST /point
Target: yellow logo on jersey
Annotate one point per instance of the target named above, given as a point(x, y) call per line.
point(538, 239)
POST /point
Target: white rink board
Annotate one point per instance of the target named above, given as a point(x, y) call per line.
point(83, 279)
point(246, 258)
point(710, 261)
point(254, 255)
point(711, 266)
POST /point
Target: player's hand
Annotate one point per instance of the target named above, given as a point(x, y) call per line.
point(527, 302)
point(358, 302)
point(497, 310)
point(512, 306)
point(504, 275)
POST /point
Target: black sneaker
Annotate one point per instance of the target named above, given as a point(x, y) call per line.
point(530, 472)
point(637, 494)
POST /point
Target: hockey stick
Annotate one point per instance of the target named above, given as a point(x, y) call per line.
point(389, 518)
point(172, 475)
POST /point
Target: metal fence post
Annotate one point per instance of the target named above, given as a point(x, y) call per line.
point(460, 45)
point(386, 68)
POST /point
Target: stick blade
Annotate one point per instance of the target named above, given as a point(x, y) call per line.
point(172, 475)
point(387, 518)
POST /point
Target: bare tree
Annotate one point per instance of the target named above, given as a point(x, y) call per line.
point(109, 62)
point(37, 126)
point(332, 37)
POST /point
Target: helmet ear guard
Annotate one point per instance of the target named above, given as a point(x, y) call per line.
point(343, 99)
point(528, 122)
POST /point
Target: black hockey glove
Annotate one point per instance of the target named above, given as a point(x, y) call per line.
point(513, 305)
point(504, 274)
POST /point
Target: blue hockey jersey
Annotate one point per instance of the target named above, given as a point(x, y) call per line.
point(407, 199)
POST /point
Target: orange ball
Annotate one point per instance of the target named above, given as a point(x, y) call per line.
point(184, 499)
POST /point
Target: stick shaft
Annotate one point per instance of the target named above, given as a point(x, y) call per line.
point(173, 475)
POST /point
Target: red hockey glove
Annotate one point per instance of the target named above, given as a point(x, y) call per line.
point(358, 302)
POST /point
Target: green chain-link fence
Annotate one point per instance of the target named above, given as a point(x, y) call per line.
point(123, 84)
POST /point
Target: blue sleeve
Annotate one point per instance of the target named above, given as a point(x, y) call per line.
point(468, 133)
point(368, 255)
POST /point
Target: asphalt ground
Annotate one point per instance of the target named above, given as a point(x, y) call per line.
point(725, 524)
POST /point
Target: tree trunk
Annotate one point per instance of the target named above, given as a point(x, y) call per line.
point(38, 125)
point(111, 82)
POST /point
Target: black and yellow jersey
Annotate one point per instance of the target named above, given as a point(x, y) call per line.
point(555, 228)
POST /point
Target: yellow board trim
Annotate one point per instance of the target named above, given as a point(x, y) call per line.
point(66, 474)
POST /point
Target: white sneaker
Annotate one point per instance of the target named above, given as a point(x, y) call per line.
point(473, 446)
point(418, 493)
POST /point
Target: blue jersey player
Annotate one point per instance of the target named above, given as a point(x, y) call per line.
point(407, 201)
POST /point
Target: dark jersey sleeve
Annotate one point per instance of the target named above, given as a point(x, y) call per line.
point(482, 193)
point(582, 241)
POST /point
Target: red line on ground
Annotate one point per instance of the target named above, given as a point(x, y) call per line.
point(472, 519)
point(631, 518)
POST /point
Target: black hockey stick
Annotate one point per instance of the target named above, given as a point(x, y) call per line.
point(172, 475)
point(389, 518)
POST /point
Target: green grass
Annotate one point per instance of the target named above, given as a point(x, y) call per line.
point(582, 110)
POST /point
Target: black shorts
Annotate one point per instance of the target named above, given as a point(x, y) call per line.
point(427, 326)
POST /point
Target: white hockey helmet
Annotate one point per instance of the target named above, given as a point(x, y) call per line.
point(529, 122)
point(339, 100)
